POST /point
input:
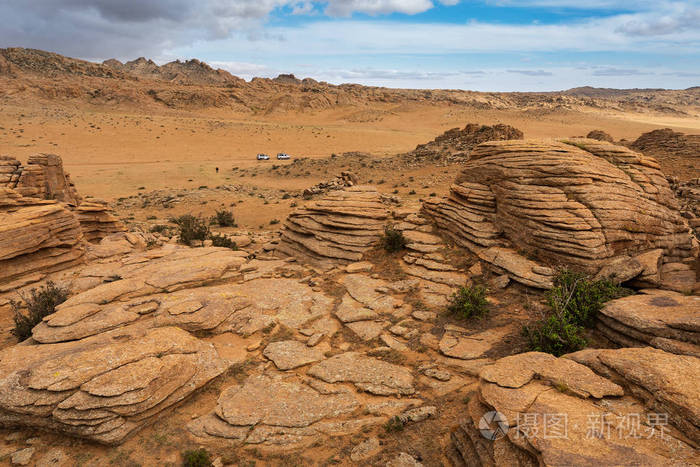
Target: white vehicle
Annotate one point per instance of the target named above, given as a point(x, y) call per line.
point(283, 156)
point(263, 157)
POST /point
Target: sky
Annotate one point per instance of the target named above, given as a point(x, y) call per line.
point(481, 45)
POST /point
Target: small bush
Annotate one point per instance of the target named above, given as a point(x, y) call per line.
point(469, 302)
point(40, 303)
point(225, 218)
point(197, 458)
point(393, 240)
point(574, 303)
point(394, 424)
point(191, 228)
point(274, 221)
point(223, 241)
point(159, 228)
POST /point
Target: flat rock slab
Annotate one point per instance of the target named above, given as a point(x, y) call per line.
point(350, 310)
point(367, 373)
point(275, 402)
point(364, 289)
point(367, 330)
point(474, 346)
point(291, 354)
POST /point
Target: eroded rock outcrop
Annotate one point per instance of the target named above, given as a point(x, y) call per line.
point(582, 203)
point(336, 229)
point(43, 177)
point(666, 320)
point(97, 220)
point(344, 180)
point(36, 237)
point(535, 409)
point(106, 387)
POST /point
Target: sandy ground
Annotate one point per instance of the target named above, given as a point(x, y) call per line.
point(114, 154)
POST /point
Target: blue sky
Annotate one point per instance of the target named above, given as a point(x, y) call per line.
point(484, 45)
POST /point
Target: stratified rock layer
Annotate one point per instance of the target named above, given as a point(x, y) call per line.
point(103, 388)
point(666, 320)
point(97, 221)
point(580, 204)
point(336, 229)
point(43, 177)
point(36, 237)
point(556, 411)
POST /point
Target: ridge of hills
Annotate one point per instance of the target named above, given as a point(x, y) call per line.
point(194, 84)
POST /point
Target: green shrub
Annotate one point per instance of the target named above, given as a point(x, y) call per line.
point(40, 303)
point(393, 240)
point(191, 228)
point(225, 218)
point(574, 303)
point(223, 241)
point(469, 302)
point(159, 228)
point(197, 458)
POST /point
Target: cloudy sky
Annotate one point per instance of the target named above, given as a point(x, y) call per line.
point(484, 45)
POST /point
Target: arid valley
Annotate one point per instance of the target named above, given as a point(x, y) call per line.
point(367, 302)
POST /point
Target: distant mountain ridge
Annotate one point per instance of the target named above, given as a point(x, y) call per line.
point(195, 84)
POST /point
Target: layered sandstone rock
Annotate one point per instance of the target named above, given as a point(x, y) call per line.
point(43, 177)
point(535, 409)
point(582, 204)
point(336, 229)
point(106, 387)
point(600, 135)
point(97, 220)
point(456, 144)
point(666, 320)
point(36, 237)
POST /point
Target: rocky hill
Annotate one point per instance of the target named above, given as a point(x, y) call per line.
point(194, 84)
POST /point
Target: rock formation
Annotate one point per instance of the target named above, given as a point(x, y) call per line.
point(665, 320)
point(600, 135)
point(677, 152)
point(336, 229)
point(36, 237)
point(45, 221)
point(344, 180)
point(97, 220)
point(581, 203)
point(106, 387)
point(594, 407)
point(43, 177)
point(455, 144)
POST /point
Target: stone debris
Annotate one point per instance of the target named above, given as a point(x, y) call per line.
point(545, 192)
point(342, 181)
point(366, 449)
point(336, 229)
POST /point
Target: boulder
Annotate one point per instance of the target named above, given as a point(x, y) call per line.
point(581, 203)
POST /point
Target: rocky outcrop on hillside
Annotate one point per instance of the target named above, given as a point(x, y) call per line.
point(581, 203)
point(344, 180)
point(36, 237)
point(677, 152)
point(600, 135)
point(595, 407)
point(455, 145)
point(336, 229)
point(188, 72)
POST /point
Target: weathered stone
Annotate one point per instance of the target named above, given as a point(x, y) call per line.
point(368, 374)
point(291, 354)
point(274, 402)
point(367, 330)
point(102, 388)
point(366, 449)
point(579, 203)
point(469, 347)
